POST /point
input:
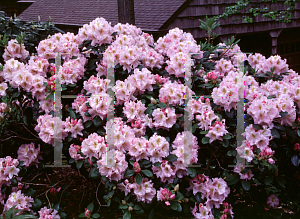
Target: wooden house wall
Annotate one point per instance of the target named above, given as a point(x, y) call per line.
point(188, 19)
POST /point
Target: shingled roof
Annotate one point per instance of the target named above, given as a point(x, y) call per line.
point(149, 14)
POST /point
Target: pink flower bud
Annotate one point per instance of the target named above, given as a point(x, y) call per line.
point(87, 212)
point(271, 161)
point(167, 203)
point(172, 196)
point(90, 161)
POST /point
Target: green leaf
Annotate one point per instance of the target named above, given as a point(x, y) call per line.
point(127, 215)
point(24, 216)
point(50, 96)
point(31, 192)
point(90, 206)
point(121, 206)
point(205, 140)
point(275, 133)
point(227, 136)
point(38, 203)
point(129, 173)
point(268, 180)
point(108, 202)
point(139, 179)
point(195, 127)
point(245, 185)
point(192, 172)
point(295, 160)
point(281, 181)
point(96, 215)
point(171, 158)
point(94, 173)
point(56, 207)
point(162, 105)
point(72, 113)
point(176, 206)
point(97, 121)
point(147, 173)
point(79, 164)
point(283, 114)
point(157, 164)
point(9, 212)
point(137, 207)
point(246, 170)
point(81, 215)
point(88, 124)
point(87, 114)
point(179, 196)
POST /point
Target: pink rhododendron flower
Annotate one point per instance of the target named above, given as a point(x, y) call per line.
point(273, 201)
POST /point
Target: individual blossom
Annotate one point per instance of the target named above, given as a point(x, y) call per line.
point(29, 154)
point(245, 151)
point(8, 169)
point(3, 87)
point(224, 66)
point(134, 111)
point(273, 201)
point(138, 148)
point(50, 213)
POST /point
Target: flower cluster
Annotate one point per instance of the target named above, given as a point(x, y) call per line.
point(99, 31)
point(46, 128)
point(99, 106)
point(202, 211)
point(229, 91)
point(165, 171)
point(165, 195)
point(112, 165)
point(17, 198)
point(8, 169)
point(93, 146)
point(74, 127)
point(177, 64)
point(141, 80)
point(214, 191)
point(29, 154)
point(164, 118)
point(158, 148)
point(96, 85)
point(15, 50)
point(46, 213)
point(38, 66)
point(217, 130)
point(72, 70)
point(185, 147)
point(260, 138)
point(144, 192)
point(75, 152)
point(266, 154)
point(174, 93)
point(224, 66)
point(134, 111)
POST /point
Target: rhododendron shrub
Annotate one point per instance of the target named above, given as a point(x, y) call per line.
point(149, 162)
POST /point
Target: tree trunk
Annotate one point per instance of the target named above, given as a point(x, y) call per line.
point(126, 12)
